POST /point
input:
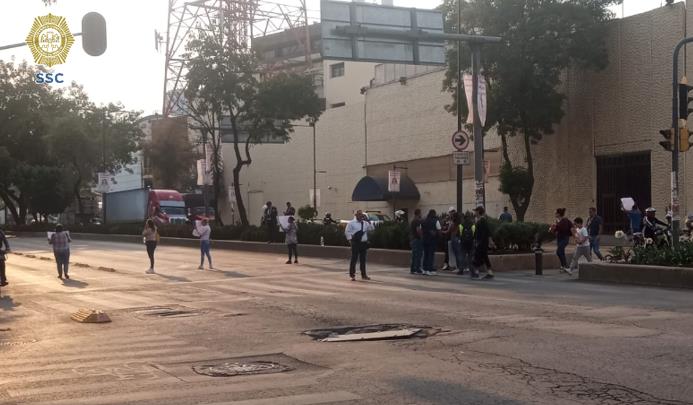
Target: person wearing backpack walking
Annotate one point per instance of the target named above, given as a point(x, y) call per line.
point(467, 233)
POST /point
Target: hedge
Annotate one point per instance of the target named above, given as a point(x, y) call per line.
point(508, 237)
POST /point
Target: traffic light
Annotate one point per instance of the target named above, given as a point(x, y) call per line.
point(684, 99)
point(668, 135)
point(684, 143)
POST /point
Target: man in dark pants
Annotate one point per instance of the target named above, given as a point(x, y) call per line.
point(3, 241)
point(415, 234)
point(481, 244)
point(594, 228)
point(357, 233)
point(269, 219)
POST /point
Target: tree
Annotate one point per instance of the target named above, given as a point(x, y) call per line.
point(224, 82)
point(170, 156)
point(49, 131)
point(541, 39)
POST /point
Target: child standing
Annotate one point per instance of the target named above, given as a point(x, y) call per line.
point(292, 240)
point(582, 239)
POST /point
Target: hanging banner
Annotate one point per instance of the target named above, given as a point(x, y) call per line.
point(104, 184)
point(393, 180)
point(204, 177)
point(312, 192)
point(468, 87)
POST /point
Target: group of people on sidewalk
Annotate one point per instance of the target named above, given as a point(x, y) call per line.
point(466, 238)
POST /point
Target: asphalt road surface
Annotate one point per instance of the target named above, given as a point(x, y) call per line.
point(519, 339)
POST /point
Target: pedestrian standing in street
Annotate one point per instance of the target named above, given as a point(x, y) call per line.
point(269, 220)
point(415, 234)
point(61, 250)
point(582, 239)
point(431, 231)
point(482, 235)
point(151, 238)
point(290, 211)
point(563, 229)
point(467, 236)
point(445, 232)
point(594, 229)
point(3, 254)
point(506, 216)
point(291, 232)
point(204, 232)
point(357, 233)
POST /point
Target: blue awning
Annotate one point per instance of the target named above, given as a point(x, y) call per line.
point(374, 188)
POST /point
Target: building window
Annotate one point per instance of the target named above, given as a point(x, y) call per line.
point(337, 105)
point(337, 70)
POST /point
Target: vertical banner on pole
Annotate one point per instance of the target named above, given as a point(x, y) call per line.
point(481, 98)
point(394, 178)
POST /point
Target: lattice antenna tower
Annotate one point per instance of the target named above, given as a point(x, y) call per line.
point(235, 22)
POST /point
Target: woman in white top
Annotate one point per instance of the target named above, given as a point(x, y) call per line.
point(203, 232)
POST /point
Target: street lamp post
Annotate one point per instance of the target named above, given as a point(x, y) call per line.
point(312, 122)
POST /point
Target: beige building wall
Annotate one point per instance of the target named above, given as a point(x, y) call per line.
point(407, 125)
point(615, 111)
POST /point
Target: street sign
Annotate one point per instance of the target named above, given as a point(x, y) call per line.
point(460, 140)
point(342, 38)
point(461, 158)
point(393, 181)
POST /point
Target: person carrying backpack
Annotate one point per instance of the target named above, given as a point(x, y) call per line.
point(467, 234)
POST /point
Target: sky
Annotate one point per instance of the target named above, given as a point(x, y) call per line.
point(132, 71)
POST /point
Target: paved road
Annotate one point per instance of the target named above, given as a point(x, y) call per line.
point(516, 340)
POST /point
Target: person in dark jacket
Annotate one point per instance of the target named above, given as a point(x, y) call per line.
point(431, 230)
point(481, 237)
point(415, 234)
point(563, 229)
point(270, 221)
point(3, 241)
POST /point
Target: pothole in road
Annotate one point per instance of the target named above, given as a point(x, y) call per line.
point(231, 369)
point(169, 311)
point(371, 332)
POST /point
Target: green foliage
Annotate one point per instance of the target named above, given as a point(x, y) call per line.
point(516, 182)
point(652, 255)
point(390, 235)
point(619, 254)
point(310, 233)
point(45, 131)
point(171, 158)
point(520, 236)
point(307, 212)
point(541, 39)
point(224, 82)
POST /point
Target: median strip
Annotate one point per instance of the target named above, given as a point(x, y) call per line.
point(76, 264)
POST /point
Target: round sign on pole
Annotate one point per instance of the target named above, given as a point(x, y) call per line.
point(460, 140)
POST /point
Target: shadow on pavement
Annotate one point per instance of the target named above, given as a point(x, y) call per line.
point(228, 273)
point(7, 303)
point(442, 392)
point(74, 283)
point(173, 278)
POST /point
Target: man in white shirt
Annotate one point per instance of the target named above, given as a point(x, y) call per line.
point(357, 234)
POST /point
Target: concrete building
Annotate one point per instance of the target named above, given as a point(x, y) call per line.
point(605, 148)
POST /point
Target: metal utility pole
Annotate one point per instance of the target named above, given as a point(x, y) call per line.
point(460, 168)
point(313, 123)
point(479, 186)
point(675, 204)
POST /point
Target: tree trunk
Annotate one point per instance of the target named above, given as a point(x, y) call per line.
point(520, 203)
point(240, 162)
point(10, 205)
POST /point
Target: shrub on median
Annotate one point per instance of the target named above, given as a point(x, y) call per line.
point(682, 256)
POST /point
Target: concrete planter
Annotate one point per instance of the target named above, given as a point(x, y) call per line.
point(399, 258)
point(659, 276)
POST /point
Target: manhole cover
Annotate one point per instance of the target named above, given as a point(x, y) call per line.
point(178, 311)
point(230, 369)
point(370, 332)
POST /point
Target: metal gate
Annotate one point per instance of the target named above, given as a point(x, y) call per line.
point(618, 176)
